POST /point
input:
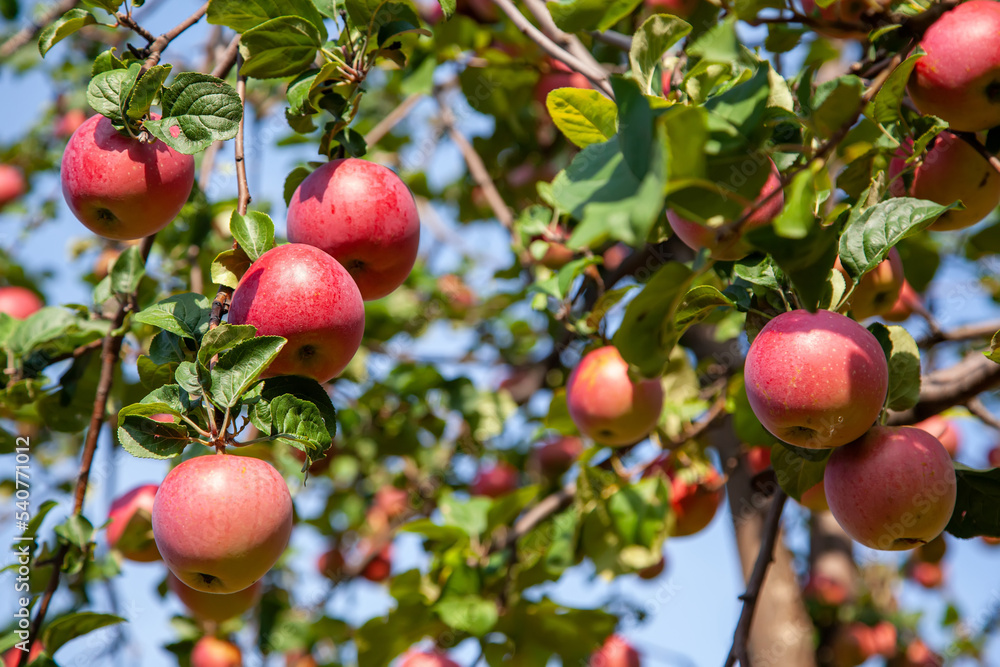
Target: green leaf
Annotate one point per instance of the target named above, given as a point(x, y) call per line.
point(806, 261)
point(146, 89)
point(718, 44)
point(306, 389)
point(649, 44)
point(469, 515)
point(904, 365)
point(254, 232)
point(585, 116)
point(468, 613)
point(184, 315)
point(870, 234)
point(284, 46)
point(796, 474)
point(63, 27)
point(293, 180)
point(128, 270)
point(61, 630)
point(244, 15)
point(329, 8)
point(240, 367)
point(889, 99)
point(43, 326)
point(145, 409)
point(697, 304)
point(198, 109)
point(108, 92)
point(149, 439)
point(635, 127)
point(394, 19)
point(586, 15)
point(77, 531)
point(166, 347)
point(836, 103)
point(153, 375)
point(301, 422)
point(797, 218)
point(977, 505)
point(105, 62)
point(646, 334)
point(229, 266)
point(223, 337)
point(190, 378)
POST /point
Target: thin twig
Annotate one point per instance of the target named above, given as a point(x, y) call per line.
point(228, 59)
point(161, 42)
point(111, 348)
point(393, 118)
point(548, 506)
point(28, 33)
point(612, 38)
point(968, 332)
point(714, 413)
point(129, 22)
point(977, 408)
point(772, 526)
point(567, 41)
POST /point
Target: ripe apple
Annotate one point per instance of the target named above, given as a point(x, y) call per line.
point(928, 575)
point(879, 289)
point(826, 590)
point(217, 607)
point(609, 406)
point(697, 236)
point(221, 521)
point(12, 184)
point(908, 303)
point(379, 567)
point(991, 541)
point(300, 292)
point(950, 171)
point(892, 489)
point(120, 188)
point(134, 511)
point(852, 644)
point(758, 459)
point(816, 380)
point(944, 430)
point(12, 657)
point(331, 564)
point(364, 216)
point(495, 480)
point(917, 655)
point(19, 302)
point(884, 637)
point(615, 256)
point(212, 652)
point(994, 457)
point(653, 571)
point(616, 652)
point(427, 659)
point(69, 122)
point(695, 494)
point(555, 456)
point(299, 658)
point(680, 8)
point(959, 77)
point(814, 498)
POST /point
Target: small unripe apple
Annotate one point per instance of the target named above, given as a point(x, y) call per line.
point(12, 184)
point(908, 303)
point(697, 236)
point(609, 406)
point(758, 459)
point(12, 657)
point(892, 489)
point(814, 498)
point(379, 567)
point(816, 380)
point(680, 8)
point(695, 495)
point(555, 456)
point(959, 77)
point(212, 652)
point(950, 171)
point(120, 188)
point(134, 511)
point(928, 575)
point(615, 652)
point(216, 607)
point(495, 480)
point(427, 659)
point(364, 216)
point(302, 293)
point(944, 430)
point(878, 290)
point(19, 302)
point(222, 521)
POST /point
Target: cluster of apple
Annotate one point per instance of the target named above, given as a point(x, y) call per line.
point(818, 381)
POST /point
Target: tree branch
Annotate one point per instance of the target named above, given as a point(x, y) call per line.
point(968, 332)
point(949, 387)
point(977, 408)
point(111, 348)
point(771, 529)
point(161, 42)
point(393, 118)
point(29, 32)
point(567, 41)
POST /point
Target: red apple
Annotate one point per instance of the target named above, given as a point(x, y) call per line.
point(69, 122)
point(816, 380)
point(221, 522)
point(555, 456)
point(695, 494)
point(697, 236)
point(616, 255)
point(884, 637)
point(331, 564)
point(379, 567)
point(994, 457)
point(879, 289)
point(917, 655)
point(12, 184)
point(120, 188)
point(364, 216)
point(300, 658)
point(616, 652)
point(908, 303)
point(959, 77)
point(392, 502)
point(944, 430)
point(991, 541)
point(950, 171)
point(216, 607)
point(758, 459)
point(892, 489)
point(19, 302)
point(300, 292)
point(852, 645)
point(12, 657)
point(826, 590)
point(134, 511)
point(681, 8)
point(427, 659)
point(609, 406)
point(212, 652)
point(814, 498)
point(495, 480)
point(928, 575)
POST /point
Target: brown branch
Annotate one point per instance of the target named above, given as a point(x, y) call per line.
point(28, 33)
point(567, 41)
point(612, 38)
point(716, 411)
point(129, 22)
point(597, 76)
point(111, 349)
point(548, 506)
point(764, 558)
point(228, 59)
point(968, 332)
point(385, 125)
point(948, 387)
point(977, 408)
point(161, 42)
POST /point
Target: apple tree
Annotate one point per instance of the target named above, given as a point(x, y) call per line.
point(547, 285)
